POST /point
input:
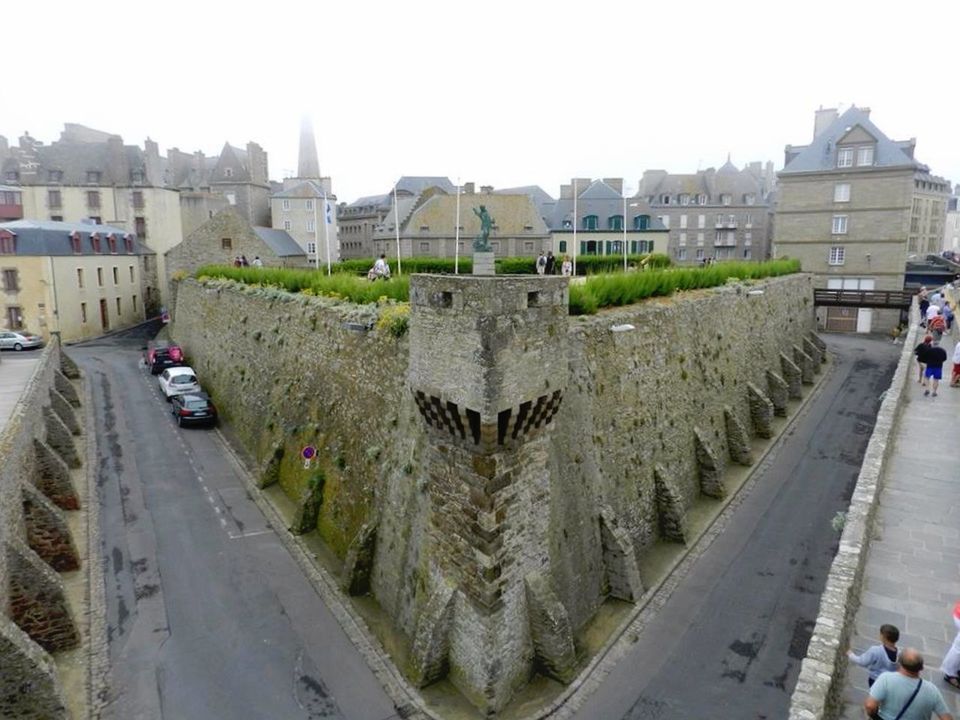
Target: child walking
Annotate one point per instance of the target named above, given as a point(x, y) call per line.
point(879, 658)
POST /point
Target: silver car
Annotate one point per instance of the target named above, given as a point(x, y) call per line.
point(14, 340)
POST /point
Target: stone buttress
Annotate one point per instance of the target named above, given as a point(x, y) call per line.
point(488, 368)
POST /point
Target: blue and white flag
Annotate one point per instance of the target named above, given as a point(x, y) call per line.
point(328, 213)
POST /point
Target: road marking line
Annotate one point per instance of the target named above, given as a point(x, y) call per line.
point(223, 522)
point(254, 533)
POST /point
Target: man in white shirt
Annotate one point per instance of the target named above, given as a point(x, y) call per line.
point(381, 269)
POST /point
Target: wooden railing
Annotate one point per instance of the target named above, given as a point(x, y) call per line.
point(862, 298)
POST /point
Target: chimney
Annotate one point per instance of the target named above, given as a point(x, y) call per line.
point(469, 188)
point(822, 119)
point(616, 184)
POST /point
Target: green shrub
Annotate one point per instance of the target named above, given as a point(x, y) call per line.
point(310, 282)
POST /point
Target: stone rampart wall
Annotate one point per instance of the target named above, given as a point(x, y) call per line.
point(645, 414)
point(37, 445)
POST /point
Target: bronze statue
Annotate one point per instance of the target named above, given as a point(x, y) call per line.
point(481, 243)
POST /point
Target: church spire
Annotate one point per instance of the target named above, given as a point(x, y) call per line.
point(308, 165)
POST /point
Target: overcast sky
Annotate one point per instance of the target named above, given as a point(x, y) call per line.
point(501, 93)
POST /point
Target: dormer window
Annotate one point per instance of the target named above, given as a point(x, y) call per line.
point(865, 156)
point(749, 199)
point(93, 176)
point(112, 244)
point(664, 199)
point(845, 157)
point(75, 243)
point(701, 199)
point(228, 172)
point(136, 176)
point(684, 199)
point(725, 199)
point(55, 175)
point(95, 242)
point(12, 176)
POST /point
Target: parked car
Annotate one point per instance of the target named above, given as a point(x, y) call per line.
point(161, 354)
point(178, 381)
point(193, 408)
point(17, 340)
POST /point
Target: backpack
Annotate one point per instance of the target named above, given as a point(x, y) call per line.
point(937, 323)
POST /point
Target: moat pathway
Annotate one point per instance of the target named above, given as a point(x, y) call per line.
point(912, 575)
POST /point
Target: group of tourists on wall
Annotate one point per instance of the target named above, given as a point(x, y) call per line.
point(936, 317)
point(547, 265)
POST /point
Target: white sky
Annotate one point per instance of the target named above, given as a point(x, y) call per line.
point(498, 92)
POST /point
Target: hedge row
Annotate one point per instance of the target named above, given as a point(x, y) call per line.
point(586, 264)
point(599, 291)
point(614, 290)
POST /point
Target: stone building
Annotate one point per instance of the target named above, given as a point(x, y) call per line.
point(600, 215)
point(306, 207)
point(951, 228)
point(713, 214)
point(228, 235)
point(80, 280)
point(428, 224)
point(853, 206)
point(359, 220)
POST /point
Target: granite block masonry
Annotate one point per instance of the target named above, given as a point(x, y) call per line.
point(444, 494)
point(487, 373)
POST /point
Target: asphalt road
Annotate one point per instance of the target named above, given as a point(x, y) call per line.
point(208, 615)
point(729, 641)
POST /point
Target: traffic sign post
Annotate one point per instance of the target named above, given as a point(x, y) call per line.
point(308, 454)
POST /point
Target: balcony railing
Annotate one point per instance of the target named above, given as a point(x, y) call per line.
point(11, 212)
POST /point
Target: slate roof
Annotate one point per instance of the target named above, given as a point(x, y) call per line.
point(305, 189)
point(603, 206)
point(279, 242)
point(821, 154)
point(416, 184)
point(47, 237)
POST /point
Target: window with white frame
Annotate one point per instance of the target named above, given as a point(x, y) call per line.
point(287, 225)
point(837, 255)
point(684, 199)
point(865, 155)
point(683, 221)
point(701, 221)
point(311, 225)
point(748, 220)
point(700, 239)
point(665, 199)
point(841, 192)
point(310, 205)
point(681, 253)
point(311, 248)
point(725, 199)
point(285, 204)
point(845, 157)
point(839, 224)
point(701, 199)
point(700, 254)
point(683, 239)
point(747, 239)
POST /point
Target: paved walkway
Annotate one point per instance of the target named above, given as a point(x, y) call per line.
point(912, 576)
point(15, 372)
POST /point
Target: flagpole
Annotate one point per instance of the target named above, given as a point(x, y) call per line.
point(396, 225)
point(574, 227)
point(456, 242)
point(624, 228)
point(326, 231)
point(316, 239)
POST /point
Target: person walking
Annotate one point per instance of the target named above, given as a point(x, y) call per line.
point(920, 352)
point(879, 658)
point(551, 266)
point(923, 303)
point(947, 313)
point(936, 357)
point(951, 662)
point(904, 695)
point(541, 263)
point(955, 375)
point(936, 324)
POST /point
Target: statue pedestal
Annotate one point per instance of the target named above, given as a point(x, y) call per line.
point(483, 263)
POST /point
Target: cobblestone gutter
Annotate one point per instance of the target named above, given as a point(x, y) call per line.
point(818, 694)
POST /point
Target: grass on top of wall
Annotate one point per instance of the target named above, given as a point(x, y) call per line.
point(614, 290)
point(599, 291)
point(310, 282)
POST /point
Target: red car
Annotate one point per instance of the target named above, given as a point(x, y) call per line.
point(161, 355)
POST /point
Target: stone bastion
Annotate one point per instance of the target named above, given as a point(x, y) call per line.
point(497, 473)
